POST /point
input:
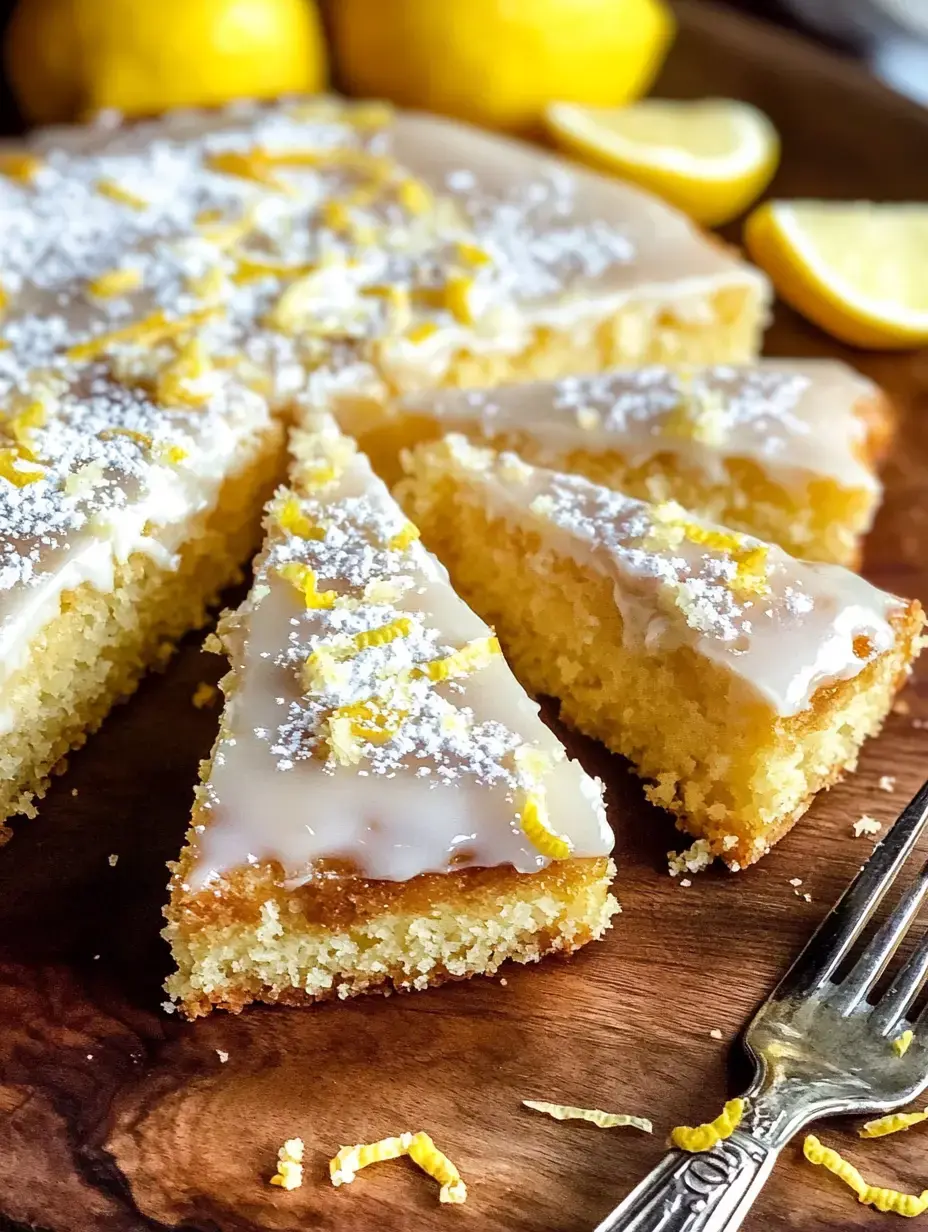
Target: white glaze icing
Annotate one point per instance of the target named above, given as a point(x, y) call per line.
point(562, 246)
point(446, 789)
point(797, 419)
point(679, 580)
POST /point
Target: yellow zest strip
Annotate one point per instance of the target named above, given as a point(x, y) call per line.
point(248, 269)
point(605, 1120)
point(457, 298)
point(290, 518)
point(908, 1205)
point(225, 233)
point(116, 192)
point(892, 1124)
point(304, 579)
point(901, 1045)
point(140, 438)
point(9, 470)
point(370, 721)
point(24, 423)
point(173, 386)
point(471, 254)
point(537, 829)
point(414, 196)
point(424, 1152)
point(21, 167)
point(150, 330)
point(463, 662)
point(750, 561)
point(421, 1150)
point(289, 1174)
point(404, 537)
point(246, 165)
point(115, 282)
point(351, 1159)
point(401, 627)
point(421, 332)
point(704, 1137)
point(171, 455)
point(4, 298)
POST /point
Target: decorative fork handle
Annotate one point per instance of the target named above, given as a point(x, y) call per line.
point(711, 1191)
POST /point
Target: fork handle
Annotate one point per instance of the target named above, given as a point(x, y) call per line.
point(707, 1192)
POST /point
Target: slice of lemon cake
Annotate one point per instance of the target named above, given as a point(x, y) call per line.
point(783, 449)
point(738, 680)
point(383, 807)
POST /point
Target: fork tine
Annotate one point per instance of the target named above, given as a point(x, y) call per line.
point(872, 963)
point(841, 927)
point(903, 990)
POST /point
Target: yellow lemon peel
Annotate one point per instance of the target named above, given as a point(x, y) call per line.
point(605, 1120)
point(537, 829)
point(20, 167)
point(414, 196)
point(908, 1205)
point(371, 721)
point(403, 537)
point(115, 192)
point(901, 1044)
point(290, 518)
point(704, 1137)
point(422, 332)
point(895, 1123)
point(750, 559)
point(175, 384)
point(10, 469)
point(115, 282)
point(138, 438)
point(463, 662)
point(147, 332)
point(401, 627)
point(289, 1174)
point(252, 165)
point(421, 1150)
point(249, 269)
point(303, 579)
point(472, 254)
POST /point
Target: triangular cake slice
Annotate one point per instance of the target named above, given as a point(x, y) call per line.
point(383, 806)
point(739, 680)
point(785, 449)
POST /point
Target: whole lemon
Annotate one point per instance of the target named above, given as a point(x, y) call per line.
point(68, 58)
point(498, 62)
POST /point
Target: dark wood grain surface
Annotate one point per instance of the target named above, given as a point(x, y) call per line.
point(117, 1117)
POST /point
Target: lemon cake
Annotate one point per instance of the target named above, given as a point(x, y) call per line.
point(782, 449)
point(383, 807)
point(167, 289)
point(738, 680)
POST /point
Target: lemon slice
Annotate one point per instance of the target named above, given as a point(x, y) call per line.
point(709, 158)
point(857, 269)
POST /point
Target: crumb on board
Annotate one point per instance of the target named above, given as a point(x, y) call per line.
point(693, 860)
point(223, 1056)
point(865, 824)
point(887, 782)
point(686, 882)
point(204, 695)
point(716, 1033)
point(902, 707)
point(112, 860)
point(73, 791)
point(503, 981)
point(169, 1007)
point(289, 1174)
point(795, 881)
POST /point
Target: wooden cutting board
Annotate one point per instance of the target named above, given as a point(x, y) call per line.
point(115, 1116)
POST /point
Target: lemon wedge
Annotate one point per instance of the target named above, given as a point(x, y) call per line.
point(857, 269)
point(710, 158)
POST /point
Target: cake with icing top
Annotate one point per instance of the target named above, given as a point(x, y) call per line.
point(783, 449)
point(737, 680)
point(383, 807)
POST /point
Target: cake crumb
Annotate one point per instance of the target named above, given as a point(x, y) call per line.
point(716, 1033)
point(902, 707)
point(693, 860)
point(169, 1007)
point(807, 897)
point(503, 981)
point(866, 824)
point(686, 882)
point(205, 695)
point(289, 1174)
point(223, 1056)
point(887, 782)
point(73, 791)
point(795, 881)
point(112, 860)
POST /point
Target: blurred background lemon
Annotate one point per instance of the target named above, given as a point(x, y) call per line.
point(499, 62)
point(68, 58)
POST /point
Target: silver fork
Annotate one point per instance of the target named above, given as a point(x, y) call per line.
point(819, 1048)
